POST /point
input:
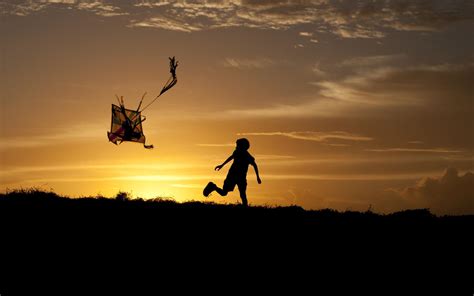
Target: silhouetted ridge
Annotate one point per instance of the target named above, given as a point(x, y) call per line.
point(37, 204)
point(41, 228)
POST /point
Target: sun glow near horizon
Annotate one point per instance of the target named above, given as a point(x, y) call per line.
point(378, 124)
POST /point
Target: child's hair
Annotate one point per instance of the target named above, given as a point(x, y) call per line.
point(243, 144)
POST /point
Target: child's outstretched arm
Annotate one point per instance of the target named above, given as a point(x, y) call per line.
point(217, 168)
point(255, 167)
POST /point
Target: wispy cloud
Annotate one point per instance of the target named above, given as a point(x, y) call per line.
point(429, 150)
point(346, 19)
point(217, 145)
point(165, 23)
point(22, 8)
point(138, 178)
point(257, 63)
point(379, 88)
point(368, 61)
point(317, 70)
point(99, 167)
point(346, 177)
point(98, 7)
point(320, 107)
point(313, 136)
point(151, 4)
point(187, 185)
point(272, 177)
point(274, 157)
point(358, 32)
point(74, 133)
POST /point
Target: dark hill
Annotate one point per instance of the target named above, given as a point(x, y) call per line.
point(43, 229)
point(20, 208)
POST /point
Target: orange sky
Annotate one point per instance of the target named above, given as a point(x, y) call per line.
point(347, 104)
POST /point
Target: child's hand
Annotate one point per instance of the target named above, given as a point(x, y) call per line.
point(259, 181)
point(218, 168)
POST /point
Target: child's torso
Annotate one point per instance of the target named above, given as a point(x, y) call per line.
point(240, 166)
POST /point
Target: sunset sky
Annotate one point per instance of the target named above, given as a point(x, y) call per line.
point(347, 104)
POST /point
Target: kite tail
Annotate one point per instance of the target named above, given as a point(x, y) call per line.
point(173, 79)
point(173, 66)
point(170, 83)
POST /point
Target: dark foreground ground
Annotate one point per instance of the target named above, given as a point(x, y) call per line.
point(280, 248)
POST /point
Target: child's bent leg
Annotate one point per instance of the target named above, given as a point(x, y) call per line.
point(228, 186)
point(222, 192)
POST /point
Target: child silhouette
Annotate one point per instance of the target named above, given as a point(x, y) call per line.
point(237, 174)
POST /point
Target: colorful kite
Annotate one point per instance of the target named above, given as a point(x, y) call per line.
point(127, 124)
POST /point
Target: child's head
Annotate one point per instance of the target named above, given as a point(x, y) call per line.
point(242, 144)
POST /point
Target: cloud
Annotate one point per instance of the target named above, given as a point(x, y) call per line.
point(257, 63)
point(450, 194)
point(358, 32)
point(317, 70)
point(24, 8)
point(413, 85)
point(429, 150)
point(445, 88)
point(369, 61)
point(151, 4)
point(216, 145)
point(319, 107)
point(273, 177)
point(100, 8)
point(87, 167)
point(343, 18)
point(313, 136)
point(72, 134)
point(60, 1)
point(274, 157)
point(165, 23)
point(187, 185)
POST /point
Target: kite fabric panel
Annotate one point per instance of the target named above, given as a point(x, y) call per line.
point(126, 126)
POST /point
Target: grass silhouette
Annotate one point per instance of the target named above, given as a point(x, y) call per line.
point(42, 206)
point(41, 229)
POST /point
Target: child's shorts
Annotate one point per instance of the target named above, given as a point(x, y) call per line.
point(229, 185)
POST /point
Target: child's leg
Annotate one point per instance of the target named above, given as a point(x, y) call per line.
point(243, 193)
point(229, 185)
point(222, 192)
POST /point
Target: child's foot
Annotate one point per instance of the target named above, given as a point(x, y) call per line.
point(209, 188)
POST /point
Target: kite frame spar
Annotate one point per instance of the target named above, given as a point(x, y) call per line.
point(131, 125)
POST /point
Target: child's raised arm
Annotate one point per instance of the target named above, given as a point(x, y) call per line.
point(217, 168)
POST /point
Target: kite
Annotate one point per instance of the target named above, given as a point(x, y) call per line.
point(127, 124)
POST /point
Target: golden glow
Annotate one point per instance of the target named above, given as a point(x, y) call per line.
point(328, 126)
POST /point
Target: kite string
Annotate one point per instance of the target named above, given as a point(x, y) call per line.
point(170, 83)
point(150, 103)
